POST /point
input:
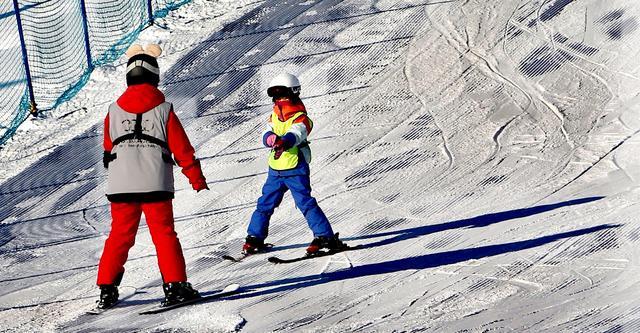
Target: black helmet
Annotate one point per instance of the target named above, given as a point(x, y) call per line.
point(142, 66)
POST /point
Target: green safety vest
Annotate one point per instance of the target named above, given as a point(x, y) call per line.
point(289, 158)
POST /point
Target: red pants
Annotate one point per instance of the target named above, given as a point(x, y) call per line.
point(124, 226)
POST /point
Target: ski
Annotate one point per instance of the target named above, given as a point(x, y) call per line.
point(241, 257)
point(228, 290)
point(98, 311)
point(235, 259)
point(125, 293)
point(277, 260)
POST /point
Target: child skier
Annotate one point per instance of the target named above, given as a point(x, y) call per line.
point(141, 131)
point(289, 126)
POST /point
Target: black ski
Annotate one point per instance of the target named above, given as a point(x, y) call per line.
point(98, 311)
point(277, 260)
point(235, 259)
point(267, 247)
point(125, 292)
point(228, 290)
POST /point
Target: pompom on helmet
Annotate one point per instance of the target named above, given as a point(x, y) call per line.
point(284, 85)
point(142, 66)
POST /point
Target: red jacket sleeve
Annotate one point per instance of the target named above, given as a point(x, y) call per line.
point(107, 143)
point(184, 153)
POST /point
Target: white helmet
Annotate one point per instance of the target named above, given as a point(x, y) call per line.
point(283, 85)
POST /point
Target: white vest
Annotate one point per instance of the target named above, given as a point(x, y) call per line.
point(142, 161)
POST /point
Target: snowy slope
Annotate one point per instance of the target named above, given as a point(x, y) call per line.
point(483, 151)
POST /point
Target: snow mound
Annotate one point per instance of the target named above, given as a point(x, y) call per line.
point(202, 319)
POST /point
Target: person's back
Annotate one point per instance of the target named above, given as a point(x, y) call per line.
point(141, 132)
point(140, 159)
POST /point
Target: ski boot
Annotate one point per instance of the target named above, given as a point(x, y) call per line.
point(178, 292)
point(108, 296)
point(253, 245)
point(331, 243)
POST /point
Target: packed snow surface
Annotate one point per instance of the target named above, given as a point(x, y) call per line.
point(484, 152)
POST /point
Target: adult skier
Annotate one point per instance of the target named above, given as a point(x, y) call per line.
point(141, 131)
point(286, 135)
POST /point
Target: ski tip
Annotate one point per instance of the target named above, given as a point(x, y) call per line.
point(275, 260)
point(228, 257)
point(231, 288)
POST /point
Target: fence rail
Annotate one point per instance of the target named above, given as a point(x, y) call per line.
point(48, 48)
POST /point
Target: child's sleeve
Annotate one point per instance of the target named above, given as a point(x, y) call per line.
point(184, 153)
point(107, 143)
point(298, 132)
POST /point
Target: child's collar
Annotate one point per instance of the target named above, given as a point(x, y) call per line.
point(285, 108)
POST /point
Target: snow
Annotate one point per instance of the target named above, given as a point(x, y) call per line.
point(204, 319)
point(485, 152)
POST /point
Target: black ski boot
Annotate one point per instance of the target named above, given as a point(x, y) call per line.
point(178, 292)
point(253, 245)
point(330, 243)
point(108, 296)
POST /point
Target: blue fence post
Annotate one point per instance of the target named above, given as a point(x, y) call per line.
point(150, 11)
point(25, 60)
point(85, 26)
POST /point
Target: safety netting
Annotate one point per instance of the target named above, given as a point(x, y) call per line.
point(62, 42)
point(13, 82)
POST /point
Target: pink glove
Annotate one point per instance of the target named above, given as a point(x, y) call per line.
point(271, 140)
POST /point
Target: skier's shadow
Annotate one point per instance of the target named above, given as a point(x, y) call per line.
point(474, 222)
point(412, 263)
point(433, 259)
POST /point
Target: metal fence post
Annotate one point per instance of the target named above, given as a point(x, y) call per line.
point(150, 11)
point(25, 60)
point(85, 26)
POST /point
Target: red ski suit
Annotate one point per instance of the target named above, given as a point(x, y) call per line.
point(126, 213)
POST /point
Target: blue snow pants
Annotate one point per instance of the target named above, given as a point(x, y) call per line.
point(272, 192)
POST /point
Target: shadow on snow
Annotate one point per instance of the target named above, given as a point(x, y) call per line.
point(474, 222)
point(433, 259)
point(412, 263)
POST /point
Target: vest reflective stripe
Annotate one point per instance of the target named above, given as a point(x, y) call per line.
point(289, 158)
point(143, 161)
